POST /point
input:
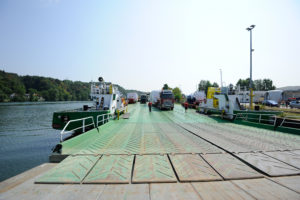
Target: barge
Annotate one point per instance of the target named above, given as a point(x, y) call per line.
point(167, 155)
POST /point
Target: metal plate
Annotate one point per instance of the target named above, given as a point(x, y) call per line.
point(224, 190)
point(289, 157)
point(269, 165)
point(191, 167)
point(71, 170)
point(292, 182)
point(229, 167)
point(153, 168)
point(266, 189)
point(111, 169)
point(126, 116)
point(125, 191)
point(174, 191)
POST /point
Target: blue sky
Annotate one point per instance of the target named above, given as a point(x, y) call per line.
point(142, 44)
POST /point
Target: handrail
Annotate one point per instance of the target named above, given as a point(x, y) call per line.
point(274, 120)
point(245, 116)
point(103, 118)
point(75, 120)
point(286, 117)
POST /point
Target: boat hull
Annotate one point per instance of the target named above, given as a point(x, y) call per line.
point(60, 119)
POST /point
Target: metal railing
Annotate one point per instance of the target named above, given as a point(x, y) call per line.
point(103, 120)
point(284, 121)
point(81, 127)
point(287, 122)
point(271, 118)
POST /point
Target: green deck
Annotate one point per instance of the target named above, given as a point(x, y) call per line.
point(162, 145)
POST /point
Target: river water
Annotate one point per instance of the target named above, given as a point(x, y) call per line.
point(26, 135)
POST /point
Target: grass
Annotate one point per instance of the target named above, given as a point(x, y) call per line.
point(286, 111)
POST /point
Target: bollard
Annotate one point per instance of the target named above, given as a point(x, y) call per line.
point(118, 114)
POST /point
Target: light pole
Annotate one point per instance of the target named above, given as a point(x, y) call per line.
point(251, 50)
point(221, 78)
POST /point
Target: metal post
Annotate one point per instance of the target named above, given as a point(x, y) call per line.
point(251, 50)
point(251, 84)
point(83, 125)
point(221, 78)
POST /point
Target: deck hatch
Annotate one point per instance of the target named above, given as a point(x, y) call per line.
point(71, 170)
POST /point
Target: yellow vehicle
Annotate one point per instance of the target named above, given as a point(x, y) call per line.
point(210, 95)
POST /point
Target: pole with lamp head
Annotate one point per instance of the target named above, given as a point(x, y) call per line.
point(251, 50)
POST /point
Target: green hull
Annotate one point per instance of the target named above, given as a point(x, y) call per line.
point(258, 116)
point(60, 119)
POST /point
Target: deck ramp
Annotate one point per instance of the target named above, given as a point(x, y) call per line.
point(111, 169)
point(153, 169)
point(289, 157)
point(192, 167)
point(268, 165)
point(72, 170)
point(173, 146)
point(230, 167)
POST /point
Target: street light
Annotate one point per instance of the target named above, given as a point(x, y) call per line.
point(251, 50)
point(221, 78)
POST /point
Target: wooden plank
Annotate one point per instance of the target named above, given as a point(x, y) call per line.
point(77, 191)
point(221, 190)
point(127, 191)
point(266, 189)
point(191, 167)
point(174, 191)
point(29, 190)
point(269, 165)
point(289, 157)
point(21, 178)
point(230, 167)
point(71, 170)
point(111, 169)
point(292, 182)
point(153, 168)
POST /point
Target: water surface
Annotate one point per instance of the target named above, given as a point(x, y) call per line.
point(26, 136)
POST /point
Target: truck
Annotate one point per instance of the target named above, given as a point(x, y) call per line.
point(144, 98)
point(193, 100)
point(163, 99)
point(132, 97)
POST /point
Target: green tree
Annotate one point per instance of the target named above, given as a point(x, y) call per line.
point(259, 84)
point(205, 84)
point(177, 94)
point(243, 83)
point(32, 94)
point(3, 96)
point(268, 84)
point(215, 84)
point(166, 87)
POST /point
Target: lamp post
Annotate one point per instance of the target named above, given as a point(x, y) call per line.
point(251, 50)
point(221, 78)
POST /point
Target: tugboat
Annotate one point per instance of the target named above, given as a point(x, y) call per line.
point(106, 100)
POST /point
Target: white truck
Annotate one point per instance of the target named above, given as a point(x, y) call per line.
point(132, 97)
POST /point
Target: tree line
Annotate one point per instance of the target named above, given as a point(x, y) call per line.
point(34, 88)
point(258, 85)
